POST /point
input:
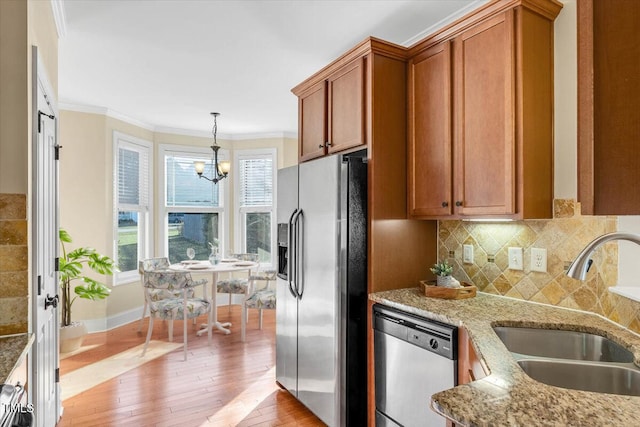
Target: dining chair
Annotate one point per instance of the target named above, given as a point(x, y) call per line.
point(263, 298)
point(235, 285)
point(177, 307)
point(159, 264)
point(150, 264)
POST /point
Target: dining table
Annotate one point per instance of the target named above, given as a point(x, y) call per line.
point(206, 267)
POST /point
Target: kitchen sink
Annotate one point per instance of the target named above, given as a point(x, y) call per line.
point(597, 377)
point(570, 359)
point(561, 344)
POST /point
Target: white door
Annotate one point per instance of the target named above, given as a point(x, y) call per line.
point(45, 394)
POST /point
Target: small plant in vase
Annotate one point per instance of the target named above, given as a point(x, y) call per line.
point(443, 271)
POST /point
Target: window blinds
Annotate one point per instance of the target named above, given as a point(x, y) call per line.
point(256, 181)
point(133, 176)
point(184, 187)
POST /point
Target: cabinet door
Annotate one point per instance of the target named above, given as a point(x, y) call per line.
point(609, 101)
point(484, 90)
point(469, 366)
point(312, 122)
point(346, 107)
point(430, 132)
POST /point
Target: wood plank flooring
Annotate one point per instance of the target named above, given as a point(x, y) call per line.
point(229, 383)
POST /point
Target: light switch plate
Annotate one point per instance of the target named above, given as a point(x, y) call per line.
point(515, 259)
point(467, 254)
point(539, 260)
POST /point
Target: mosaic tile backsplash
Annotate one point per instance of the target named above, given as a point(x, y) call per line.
point(563, 237)
point(14, 264)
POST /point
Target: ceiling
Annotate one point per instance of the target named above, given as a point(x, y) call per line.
point(167, 64)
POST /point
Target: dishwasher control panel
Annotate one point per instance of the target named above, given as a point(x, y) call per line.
point(425, 333)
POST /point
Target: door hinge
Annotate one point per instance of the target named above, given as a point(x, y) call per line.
point(57, 147)
point(40, 114)
point(39, 285)
point(56, 264)
point(57, 375)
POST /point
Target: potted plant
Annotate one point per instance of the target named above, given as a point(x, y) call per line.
point(71, 271)
point(443, 271)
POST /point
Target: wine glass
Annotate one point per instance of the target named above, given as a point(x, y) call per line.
point(191, 253)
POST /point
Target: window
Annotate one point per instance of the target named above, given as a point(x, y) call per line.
point(255, 195)
point(132, 194)
point(193, 208)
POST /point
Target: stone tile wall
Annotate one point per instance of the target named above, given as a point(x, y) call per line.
point(564, 237)
point(14, 264)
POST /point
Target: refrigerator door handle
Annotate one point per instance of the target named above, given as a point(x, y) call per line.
point(300, 251)
point(292, 254)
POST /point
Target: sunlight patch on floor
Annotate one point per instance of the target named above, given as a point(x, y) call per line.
point(78, 351)
point(238, 409)
point(89, 376)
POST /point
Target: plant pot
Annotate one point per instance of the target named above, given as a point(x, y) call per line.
point(443, 281)
point(71, 337)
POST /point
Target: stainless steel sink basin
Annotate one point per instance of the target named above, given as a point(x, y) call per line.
point(598, 377)
point(562, 344)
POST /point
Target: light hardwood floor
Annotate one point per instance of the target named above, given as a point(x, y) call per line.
point(229, 383)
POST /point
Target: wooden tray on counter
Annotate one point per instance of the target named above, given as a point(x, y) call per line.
point(431, 290)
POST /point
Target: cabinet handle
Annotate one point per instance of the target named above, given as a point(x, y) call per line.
point(321, 146)
point(445, 204)
point(328, 144)
point(458, 203)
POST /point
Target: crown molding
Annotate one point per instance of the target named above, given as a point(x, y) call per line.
point(227, 136)
point(60, 17)
point(443, 22)
point(93, 109)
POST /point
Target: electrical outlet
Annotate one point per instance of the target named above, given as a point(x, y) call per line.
point(467, 254)
point(515, 259)
point(539, 260)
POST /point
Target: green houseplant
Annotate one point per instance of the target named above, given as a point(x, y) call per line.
point(443, 271)
point(71, 271)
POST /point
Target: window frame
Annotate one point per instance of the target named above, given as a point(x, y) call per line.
point(145, 225)
point(164, 210)
point(240, 232)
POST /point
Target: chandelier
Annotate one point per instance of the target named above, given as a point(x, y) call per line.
point(220, 170)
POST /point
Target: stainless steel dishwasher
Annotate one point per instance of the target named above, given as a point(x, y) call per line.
point(414, 358)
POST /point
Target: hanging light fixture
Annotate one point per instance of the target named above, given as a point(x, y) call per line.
point(220, 170)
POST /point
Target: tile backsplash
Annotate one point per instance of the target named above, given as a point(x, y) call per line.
point(563, 237)
point(14, 264)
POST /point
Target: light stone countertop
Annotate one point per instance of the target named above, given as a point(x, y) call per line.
point(13, 348)
point(507, 396)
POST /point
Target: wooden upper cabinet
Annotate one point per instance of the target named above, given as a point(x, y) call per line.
point(481, 115)
point(331, 113)
point(608, 106)
point(430, 132)
point(346, 107)
point(484, 94)
point(312, 122)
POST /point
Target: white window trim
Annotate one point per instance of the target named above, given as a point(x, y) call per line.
point(146, 243)
point(239, 229)
point(163, 210)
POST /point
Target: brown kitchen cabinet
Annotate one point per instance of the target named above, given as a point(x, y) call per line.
point(331, 112)
point(480, 140)
point(608, 106)
point(469, 366)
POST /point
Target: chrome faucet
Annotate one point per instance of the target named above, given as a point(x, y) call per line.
point(579, 267)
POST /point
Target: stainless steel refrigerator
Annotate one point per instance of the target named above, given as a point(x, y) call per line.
point(321, 335)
